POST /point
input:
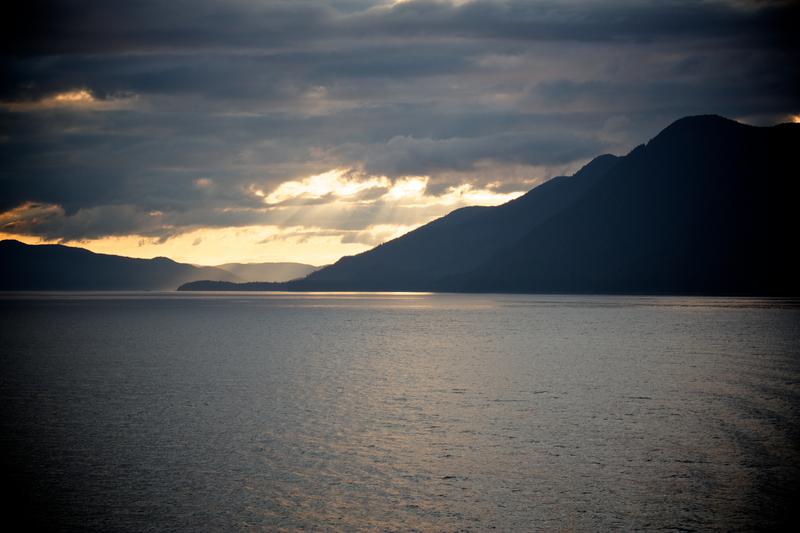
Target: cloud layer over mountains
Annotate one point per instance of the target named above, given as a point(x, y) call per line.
point(158, 119)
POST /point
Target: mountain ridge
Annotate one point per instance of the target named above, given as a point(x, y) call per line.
point(702, 208)
point(482, 231)
point(715, 220)
point(60, 267)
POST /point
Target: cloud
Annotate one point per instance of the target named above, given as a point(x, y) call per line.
point(340, 201)
point(368, 237)
point(52, 223)
point(163, 119)
point(405, 155)
point(94, 26)
point(334, 185)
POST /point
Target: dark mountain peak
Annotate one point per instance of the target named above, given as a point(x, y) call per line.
point(600, 164)
point(12, 243)
point(698, 129)
point(703, 120)
point(790, 126)
point(715, 124)
point(163, 260)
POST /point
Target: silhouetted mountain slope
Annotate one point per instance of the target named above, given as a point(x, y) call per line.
point(705, 207)
point(268, 272)
point(57, 267)
point(456, 243)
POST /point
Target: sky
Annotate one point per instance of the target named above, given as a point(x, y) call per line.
point(303, 130)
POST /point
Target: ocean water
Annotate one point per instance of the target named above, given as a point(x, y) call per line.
point(399, 412)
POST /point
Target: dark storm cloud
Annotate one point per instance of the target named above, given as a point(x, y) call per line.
point(263, 78)
point(96, 26)
point(194, 105)
point(413, 156)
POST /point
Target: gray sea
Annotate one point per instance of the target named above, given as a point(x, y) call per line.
point(399, 412)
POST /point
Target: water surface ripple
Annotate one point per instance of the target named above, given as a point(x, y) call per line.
point(399, 412)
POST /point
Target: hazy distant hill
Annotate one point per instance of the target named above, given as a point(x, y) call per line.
point(271, 272)
point(707, 206)
point(57, 267)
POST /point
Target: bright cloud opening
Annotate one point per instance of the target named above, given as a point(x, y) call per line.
point(74, 99)
point(334, 183)
point(314, 220)
point(342, 185)
point(81, 96)
point(412, 187)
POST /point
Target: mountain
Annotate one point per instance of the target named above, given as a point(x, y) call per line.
point(706, 207)
point(268, 272)
point(57, 267)
point(458, 242)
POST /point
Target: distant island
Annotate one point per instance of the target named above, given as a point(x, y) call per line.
point(705, 207)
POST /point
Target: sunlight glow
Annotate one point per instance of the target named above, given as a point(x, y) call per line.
point(335, 183)
point(410, 187)
point(26, 215)
point(214, 246)
point(467, 195)
point(344, 185)
point(80, 99)
point(74, 97)
point(314, 220)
